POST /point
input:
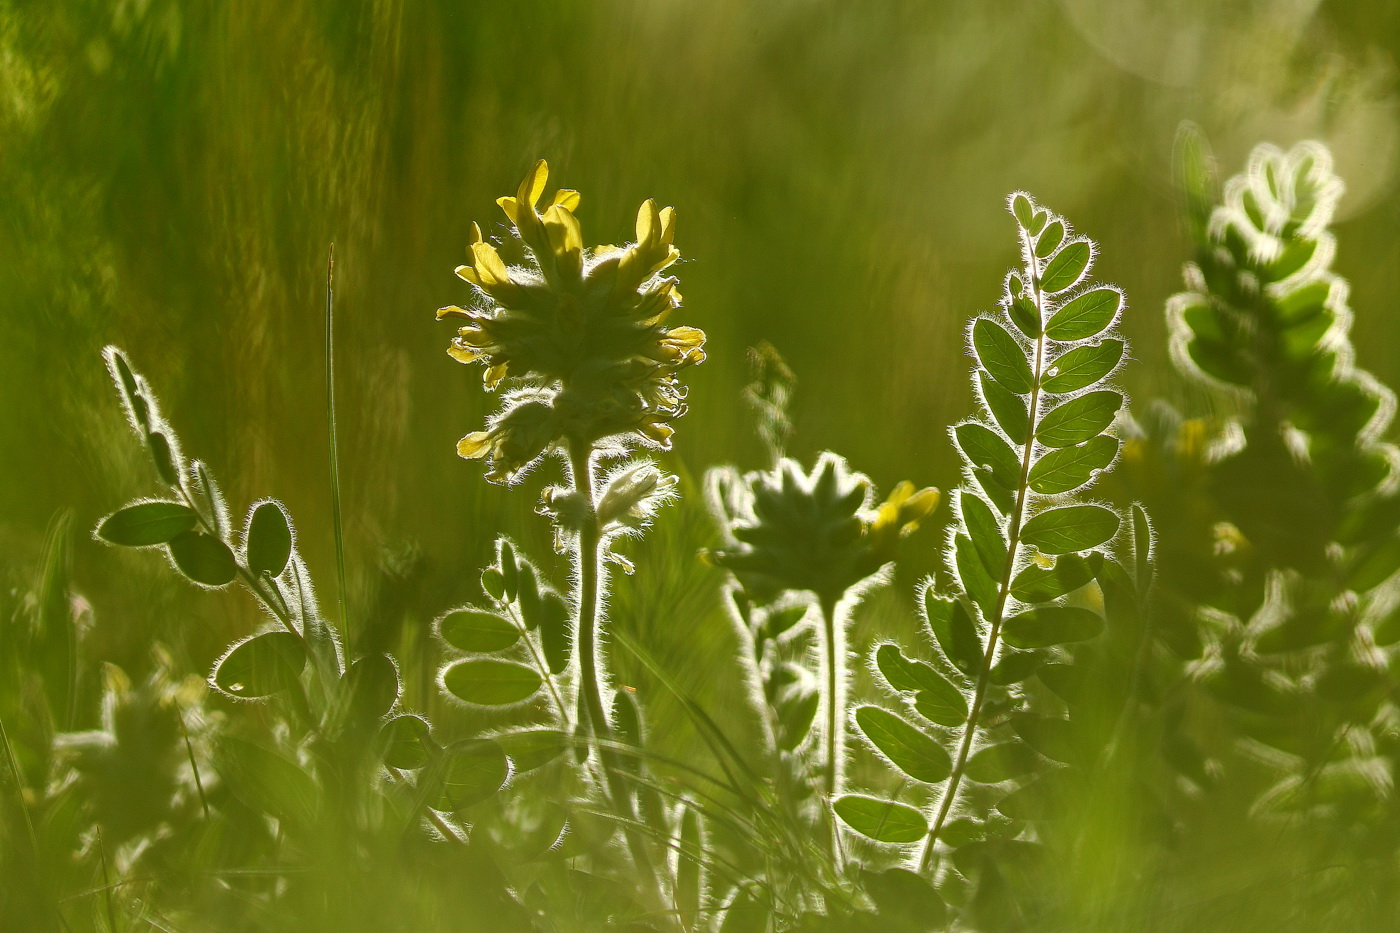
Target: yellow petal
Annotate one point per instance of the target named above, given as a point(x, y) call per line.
point(648, 224)
point(451, 311)
point(564, 233)
point(566, 198)
point(494, 375)
point(489, 267)
point(511, 207)
point(532, 186)
point(476, 233)
point(687, 337)
point(668, 224)
point(474, 446)
point(462, 354)
point(468, 274)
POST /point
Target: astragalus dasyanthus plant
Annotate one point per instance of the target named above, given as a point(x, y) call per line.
point(1084, 701)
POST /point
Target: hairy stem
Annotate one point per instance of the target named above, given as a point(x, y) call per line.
point(998, 614)
point(592, 716)
point(835, 664)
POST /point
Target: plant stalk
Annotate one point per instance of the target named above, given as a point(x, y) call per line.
point(592, 715)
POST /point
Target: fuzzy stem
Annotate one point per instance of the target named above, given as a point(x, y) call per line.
point(592, 717)
point(998, 614)
point(835, 672)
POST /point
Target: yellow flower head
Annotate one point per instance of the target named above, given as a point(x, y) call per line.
point(587, 326)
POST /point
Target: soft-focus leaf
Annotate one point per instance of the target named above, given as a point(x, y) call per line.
point(1051, 625)
point(996, 763)
point(261, 666)
point(1038, 584)
point(408, 742)
point(372, 687)
point(908, 748)
point(905, 902)
point(469, 772)
point(954, 631)
point(477, 631)
point(531, 749)
point(490, 682)
point(881, 820)
point(556, 632)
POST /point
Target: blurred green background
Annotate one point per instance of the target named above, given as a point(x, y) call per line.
point(173, 174)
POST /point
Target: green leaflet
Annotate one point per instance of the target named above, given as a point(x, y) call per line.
point(1068, 468)
point(203, 558)
point(976, 580)
point(996, 763)
point(1086, 315)
point(1037, 584)
point(1074, 528)
point(268, 541)
point(469, 772)
point(944, 705)
point(490, 682)
point(1067, 267)
point(1083, 366)
point(261, 666)
point(1001, 356)
point(954, 631)
point(1051, 625)
point(532, 749)
point(477, 631)
point(881, 820)
point(985, 532)
point(908, 748)
point(1078, 419)
point(1007, 408)
point(408, 742)
point(146, 524)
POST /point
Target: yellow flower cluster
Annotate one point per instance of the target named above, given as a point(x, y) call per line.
point(584, 328)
